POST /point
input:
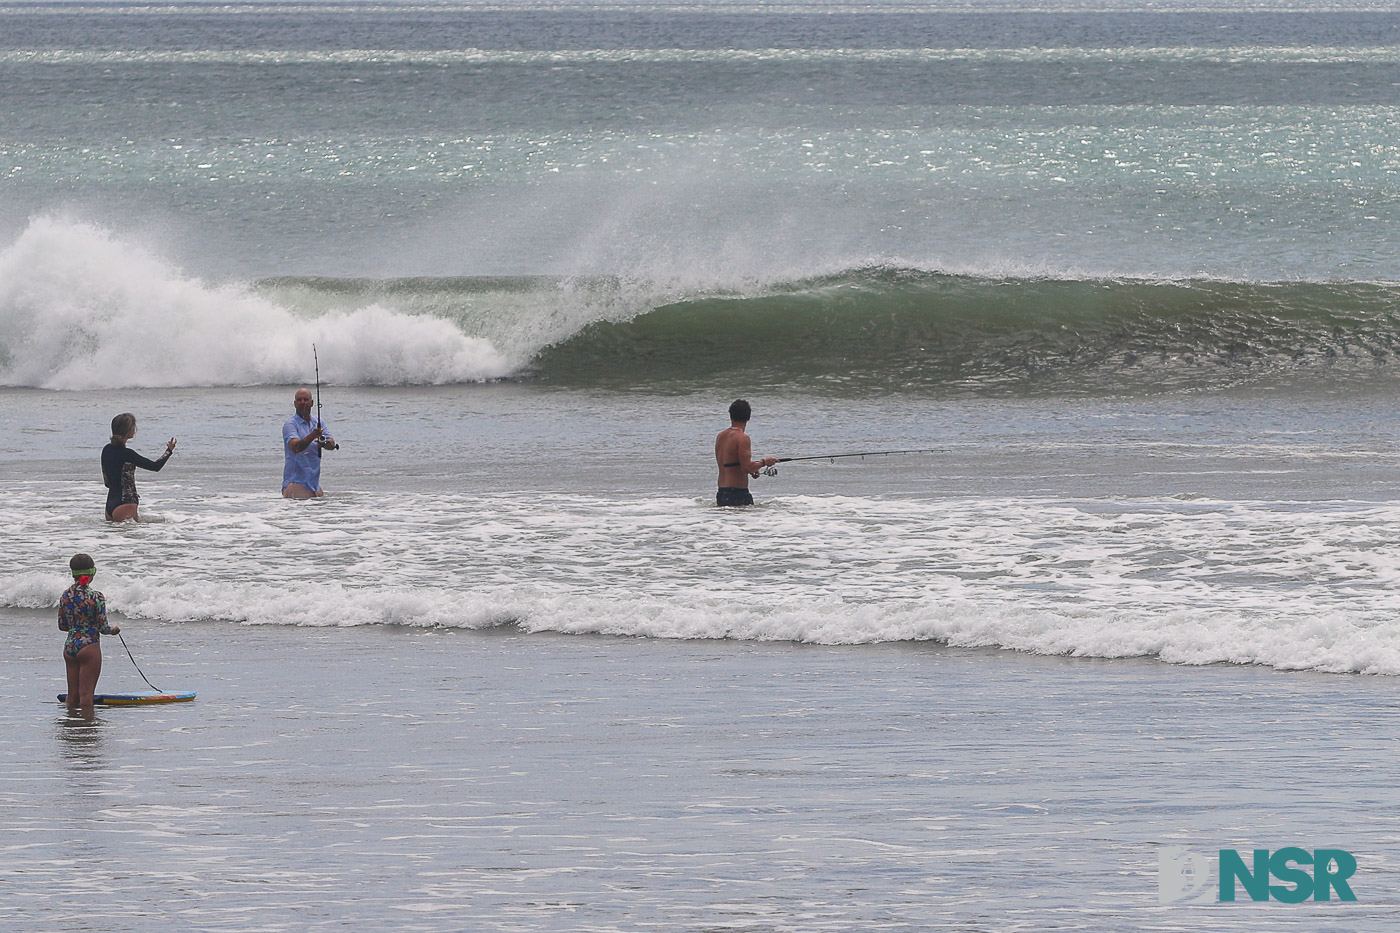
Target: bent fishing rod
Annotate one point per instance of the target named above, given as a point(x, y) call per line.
point(319, 423)
point(773, 470)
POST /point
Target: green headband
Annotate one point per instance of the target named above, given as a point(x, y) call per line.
point(90, 572)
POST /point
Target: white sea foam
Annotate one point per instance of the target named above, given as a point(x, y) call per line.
point(1292, 586)
point(80, 308)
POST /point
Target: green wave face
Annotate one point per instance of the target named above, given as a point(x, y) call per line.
point(895, 331)
point(890, 331)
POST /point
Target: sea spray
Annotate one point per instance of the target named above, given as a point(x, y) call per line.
point(82, 309)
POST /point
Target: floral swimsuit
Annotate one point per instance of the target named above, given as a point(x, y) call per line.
point(82, 613)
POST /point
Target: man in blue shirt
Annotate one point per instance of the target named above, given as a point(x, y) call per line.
point(304, 437)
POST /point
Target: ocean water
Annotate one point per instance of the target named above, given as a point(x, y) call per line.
point(1124, 274)
point(385, 778)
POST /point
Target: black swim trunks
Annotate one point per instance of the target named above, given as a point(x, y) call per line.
point(733, 495)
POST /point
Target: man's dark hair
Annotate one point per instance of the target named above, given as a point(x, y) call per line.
point(740, 410)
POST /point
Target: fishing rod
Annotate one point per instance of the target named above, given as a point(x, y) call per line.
point(137, 666)
point(317, 364)
point(773, 470)
point(319, 423)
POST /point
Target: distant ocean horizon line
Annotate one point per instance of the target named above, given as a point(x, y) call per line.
point(783, 7)
point(1389, 53)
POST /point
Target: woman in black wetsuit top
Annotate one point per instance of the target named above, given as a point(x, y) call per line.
point(119, 469)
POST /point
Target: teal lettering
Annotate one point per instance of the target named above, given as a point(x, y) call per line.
point(1325, 880)
point(1279, 868)
point(1256, 884)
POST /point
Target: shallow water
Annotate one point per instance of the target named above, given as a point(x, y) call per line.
point(394, 778)
point(1237, 527)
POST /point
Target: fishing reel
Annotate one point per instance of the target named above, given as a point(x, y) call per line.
point(769, 471)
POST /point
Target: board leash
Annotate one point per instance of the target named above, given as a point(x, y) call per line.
point(137, 666)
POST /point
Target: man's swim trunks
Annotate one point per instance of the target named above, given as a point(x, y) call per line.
point(733, 495)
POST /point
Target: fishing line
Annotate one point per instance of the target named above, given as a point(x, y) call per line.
point(137, 666)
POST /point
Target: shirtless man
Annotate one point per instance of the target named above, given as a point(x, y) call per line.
point(734, 457)
point(304, 437)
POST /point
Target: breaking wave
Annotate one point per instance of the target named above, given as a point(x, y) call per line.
point(80, 309)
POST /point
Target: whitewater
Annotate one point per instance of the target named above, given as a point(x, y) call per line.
point(1194, 582)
